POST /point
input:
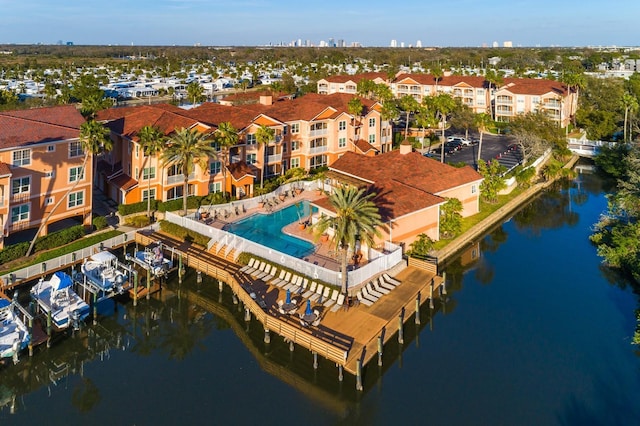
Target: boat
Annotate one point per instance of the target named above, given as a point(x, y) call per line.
point(152, 259)
point(105, 274)
point(55, 297)
point(14, 335)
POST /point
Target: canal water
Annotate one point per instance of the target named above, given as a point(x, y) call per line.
point(532, 332)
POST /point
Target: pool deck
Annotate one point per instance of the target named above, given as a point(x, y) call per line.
point(324, 255)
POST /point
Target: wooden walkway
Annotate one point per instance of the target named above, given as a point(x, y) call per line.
point(344, 337)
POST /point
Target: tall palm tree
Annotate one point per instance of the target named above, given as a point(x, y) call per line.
point(494, 79)
point(186, 148)
point(94, 138)
point(264, 136)
point(630, 104)
point(357, 218)
point(152, 141)
point(408, 104)
point(481, 122)
point(195, 92)
point(574, 81)
point(437, 72)
point(225, 136)
point(355, 108)
point(442, 104)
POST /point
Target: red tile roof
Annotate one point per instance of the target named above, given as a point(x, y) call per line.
point(5, 170)
point(365, 146)
point(534, 86)
point(39, 125)
point(124, 182)
point(241, 169)
point(357, 77)
point(404, 182)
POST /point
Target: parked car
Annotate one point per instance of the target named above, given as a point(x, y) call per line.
point(453, 146)
point(463, 141)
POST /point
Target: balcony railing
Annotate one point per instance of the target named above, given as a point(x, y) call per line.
point(178, 179)
point(319, 132)
point(276, 158)
point(552, 104)
point(318, 149)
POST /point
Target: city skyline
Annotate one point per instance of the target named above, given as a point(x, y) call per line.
point(258, 23)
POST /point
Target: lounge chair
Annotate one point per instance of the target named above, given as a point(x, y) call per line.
point(373, 285)
point(318, 294)
point(367, 294)
point(339, 303)
point(363, 299)
point(276, 281)
point(371, 291)
point(248, 265)
point(270, 274)
point(383, 284)
point(311, 290)
point(325, 295)
point(285, 281)
point(292, 283)
point(391, 280)
point(297, 285)
point(332, 300)
point(303, 287)
point(261, 270)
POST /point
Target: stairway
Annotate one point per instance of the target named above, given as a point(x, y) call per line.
point(511, 157)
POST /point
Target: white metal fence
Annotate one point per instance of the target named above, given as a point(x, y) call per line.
point(67, 259)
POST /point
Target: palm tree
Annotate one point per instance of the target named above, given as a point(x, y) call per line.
point(94, 138)
point(482, 122)
point(264, 136)
point(355, 108)
point(195, 92)
point(186, 148)
point(437, 73)
point(630, 104)
point(442, 104)
point(225, 136)
point(357, 219)
point(574, 81)
point(493, 78)
point(408, 104)
point(152, 141)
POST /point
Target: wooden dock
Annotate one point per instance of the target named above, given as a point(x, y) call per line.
point(350, 337)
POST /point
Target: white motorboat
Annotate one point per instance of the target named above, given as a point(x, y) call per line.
point(14, 335)
point(153, 259)
point(55, 297)
point(103, 271)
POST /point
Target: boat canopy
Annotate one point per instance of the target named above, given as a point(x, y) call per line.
point(60, 281)
point(103, 256)
point(4, 303)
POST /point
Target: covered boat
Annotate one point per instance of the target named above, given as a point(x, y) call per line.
point(152, 258)
point(104, 272)
point(14, 335)
point(56, 297)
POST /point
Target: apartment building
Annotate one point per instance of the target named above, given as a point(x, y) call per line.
point(309, 132)
point(511, 97)
point(41, 156)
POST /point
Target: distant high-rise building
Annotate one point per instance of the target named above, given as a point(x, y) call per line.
point(495, 44)
point(394, 43)
point(419, 43)
point(507, 44)
point(402, 44)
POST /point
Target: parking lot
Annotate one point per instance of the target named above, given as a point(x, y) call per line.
point(492, 146)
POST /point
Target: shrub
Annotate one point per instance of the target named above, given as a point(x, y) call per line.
point(193, 202)
point(100, 222)
point(13, 252)
point(138, 221)
point(60, 238)
point(184, 233)
point(127, 209)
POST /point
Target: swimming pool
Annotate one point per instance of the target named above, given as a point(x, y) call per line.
point(266, 229)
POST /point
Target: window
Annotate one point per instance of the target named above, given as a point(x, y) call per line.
point(75, 149)
point(48, 201)
point(146, 194)
point(51, 148)
point(20, 185)
point(216, 146)
point(295, 128)
point(49, 174)
point(295, 145)
point(20, 213)
point(372, 122)
point(342, 142)
point(318, 161)
point(22, 157)
point(214, 167)
point(76, 199)
point(473, 189)
point(284, 147)
point(251, 158)
point(342, 125)
point(76, 173)
point(175, 193)
point(148, 173)
point(251, 139)
point(372, 139)
point(318, 127)
point(318, 142)
point(215, 187)
point(295, 162)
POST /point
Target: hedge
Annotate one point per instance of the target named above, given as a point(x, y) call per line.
point(127, 209)
point(100, 222)
point(184, 233)
point(52, 240)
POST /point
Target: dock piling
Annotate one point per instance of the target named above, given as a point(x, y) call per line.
point(359, 376)
point(400, 327)
point(380, 350)
point(148, 283)
point(418, 309)
point(135, 288)
point(431, 305)
point(340, 373)
point(199, 277)
point(267, 336)
point(315, 360)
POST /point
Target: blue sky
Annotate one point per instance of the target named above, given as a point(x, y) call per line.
point(372, 23)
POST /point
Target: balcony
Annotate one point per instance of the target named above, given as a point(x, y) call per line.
point(319, 132)
point(318, 150)
point(20, 197)
point(504, 100)
point(276, 158)
point(171, 180)
point(552, 105)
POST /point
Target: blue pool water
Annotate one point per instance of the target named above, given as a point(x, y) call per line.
point(266, 229)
